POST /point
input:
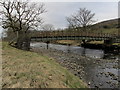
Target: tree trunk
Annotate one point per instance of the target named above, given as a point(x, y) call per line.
point(19, 40)
point(23, 41)
point(19, 43)
point(26, 43)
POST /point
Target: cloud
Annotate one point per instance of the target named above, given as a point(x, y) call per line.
point(57, 11)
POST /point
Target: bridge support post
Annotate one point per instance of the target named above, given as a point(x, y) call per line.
point(48, 44)
point(84, 42)
point(108, 42)
point(107, 45)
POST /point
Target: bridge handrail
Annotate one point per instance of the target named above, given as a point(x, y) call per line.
point(63, 33)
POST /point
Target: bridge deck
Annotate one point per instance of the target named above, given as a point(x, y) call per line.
point(47, 36)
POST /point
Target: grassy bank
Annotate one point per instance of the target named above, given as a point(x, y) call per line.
point(23, 69)
point(69, 42)
point(102, 42)
point(78, 43)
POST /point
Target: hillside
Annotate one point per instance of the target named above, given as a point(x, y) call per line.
point(113, 23)
point(109, 26)
point(24, 69)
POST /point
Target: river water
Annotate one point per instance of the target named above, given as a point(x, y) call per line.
point(104, 75)
point(93, 53)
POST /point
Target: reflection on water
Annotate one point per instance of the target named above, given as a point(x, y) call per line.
point(73, 49)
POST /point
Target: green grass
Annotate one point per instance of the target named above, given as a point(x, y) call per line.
point(24, 69)
point(110, 31)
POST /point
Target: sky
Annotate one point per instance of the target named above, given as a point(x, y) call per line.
point(58, 10)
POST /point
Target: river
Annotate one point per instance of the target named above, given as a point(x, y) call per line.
point(94, 53)
point(104, 75)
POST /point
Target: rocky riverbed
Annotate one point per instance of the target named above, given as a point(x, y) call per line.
point(99, 73)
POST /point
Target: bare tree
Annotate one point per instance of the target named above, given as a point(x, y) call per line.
point(82, 18)
point(21, 17)
point(48, 27)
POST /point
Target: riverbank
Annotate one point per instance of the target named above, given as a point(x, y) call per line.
point(69, 42)
point(81, 66)
point(79, 42)
point(23, 69)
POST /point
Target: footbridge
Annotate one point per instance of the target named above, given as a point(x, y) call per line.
point(45, 36)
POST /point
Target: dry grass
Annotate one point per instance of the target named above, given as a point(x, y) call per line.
point(102, 42)
point(70, 42)
point(23, 69)
point(96, 42)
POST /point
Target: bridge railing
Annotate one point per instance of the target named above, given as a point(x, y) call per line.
point(66, 33)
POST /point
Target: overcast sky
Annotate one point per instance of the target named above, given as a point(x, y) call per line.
point(58, 11)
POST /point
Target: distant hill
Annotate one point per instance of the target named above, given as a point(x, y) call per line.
point(109, 26)
point(113, 23)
